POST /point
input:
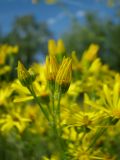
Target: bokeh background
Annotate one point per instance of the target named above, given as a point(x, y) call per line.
point(30, 23)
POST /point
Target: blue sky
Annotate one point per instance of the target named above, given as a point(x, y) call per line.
point(55, 16)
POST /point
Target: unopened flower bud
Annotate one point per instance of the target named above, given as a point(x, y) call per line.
point(23, 75)
point(64, 74)
point(51, 47)
point(60, 47)
point(51, 70)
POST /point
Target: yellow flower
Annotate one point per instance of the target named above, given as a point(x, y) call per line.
point(23, 75)
point(81, 153)
point(56, 49)
point(51, 68)
point(15, 49)
point(39, 85)
point(80, 118)
point(109, 101)
point(95, 66)
point(91, 53)
point(51, 47)
point(75, 88)
point(60, 47)
point(13, 119)
point(5, 93)
point(64, 74)
point(6, 50)
point(12, 49)
point(112, 100)
point(5, 69)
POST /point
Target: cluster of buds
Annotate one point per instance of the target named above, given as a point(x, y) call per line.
point(56, 49)
point(59, 76)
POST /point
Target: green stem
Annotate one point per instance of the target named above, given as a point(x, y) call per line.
point(82, 138)
point(58, 106)
point(98, 135)
point(53, 105)
point(38, 102)
point(49, 109)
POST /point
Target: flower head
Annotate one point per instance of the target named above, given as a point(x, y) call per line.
point(64, 74)
point(60, 47)
point(109, 102)
point(51, 68)
point(91, 53)
point(51, 47)
point(23, 75)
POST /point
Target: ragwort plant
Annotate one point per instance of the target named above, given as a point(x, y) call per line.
point(66, 108)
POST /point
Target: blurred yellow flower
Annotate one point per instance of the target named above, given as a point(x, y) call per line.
point(56, 48)
point(60, 47)
point(50, 1)
point(91, 53)
point(51, 47)
point(13, 119)
point(5, 94)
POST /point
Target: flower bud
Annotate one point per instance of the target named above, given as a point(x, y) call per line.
point(51, 70)
point(60, 47)
point(64, 74)
point(23, 75)
point(51, 47)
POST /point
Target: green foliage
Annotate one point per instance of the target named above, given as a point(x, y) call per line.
point(95, 30)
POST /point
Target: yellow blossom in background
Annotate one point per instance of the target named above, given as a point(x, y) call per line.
point(2, 57)
point(12, 49)
point(5, 69)
point(6, 50)
point(56, 48)
point(51, 47)
point(95, 66)
point(75, 88)
point(5, 94)
point(60, 47)
point(50, 1)
point(14, 119)
point(91, 53)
